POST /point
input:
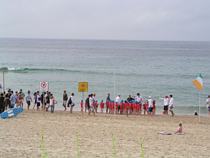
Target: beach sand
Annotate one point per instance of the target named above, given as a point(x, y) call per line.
point(63, 135)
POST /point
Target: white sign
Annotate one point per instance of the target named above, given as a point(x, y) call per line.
point(44, 86)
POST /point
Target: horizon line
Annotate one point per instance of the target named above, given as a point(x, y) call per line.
point(95, 39)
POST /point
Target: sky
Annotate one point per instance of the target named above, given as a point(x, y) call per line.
point(179, 20)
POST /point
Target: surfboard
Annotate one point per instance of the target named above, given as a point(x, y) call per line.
point(11, 112)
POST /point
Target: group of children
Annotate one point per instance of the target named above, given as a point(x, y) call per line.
point(133, 105)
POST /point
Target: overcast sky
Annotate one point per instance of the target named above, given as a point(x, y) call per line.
point(106, 19)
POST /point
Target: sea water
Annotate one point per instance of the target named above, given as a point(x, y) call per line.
point(152, 68)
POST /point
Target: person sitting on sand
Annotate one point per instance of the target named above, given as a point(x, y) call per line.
point(179, 129)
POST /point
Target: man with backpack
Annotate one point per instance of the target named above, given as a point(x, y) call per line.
point(71, 102)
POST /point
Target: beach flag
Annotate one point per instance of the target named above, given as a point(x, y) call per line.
point(198, 82)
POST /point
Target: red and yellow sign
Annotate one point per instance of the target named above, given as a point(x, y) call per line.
point(83, 87)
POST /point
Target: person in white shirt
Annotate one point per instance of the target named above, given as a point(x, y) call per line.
point(91, 102)
point(208, 104)
point(150, 105)
point(38, 100)
point(138, 100)
point(171, 105)
point(52, 103)
point(117, 103)
point(28, 99)
point(165, 105)
point(71, 102)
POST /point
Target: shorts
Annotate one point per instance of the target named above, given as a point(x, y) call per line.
point(28, 103)
point(64, 103)
point(92, 108)
point(209, 108)
point(38, 104)
point(165, 107)
point(150, 109)
point(171, 107)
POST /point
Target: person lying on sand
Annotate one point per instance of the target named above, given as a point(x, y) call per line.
point(179, 131)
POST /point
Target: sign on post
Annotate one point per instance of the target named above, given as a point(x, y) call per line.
point(83, 87)
point(44, 86)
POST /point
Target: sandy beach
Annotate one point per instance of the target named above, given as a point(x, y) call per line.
point(64, 135)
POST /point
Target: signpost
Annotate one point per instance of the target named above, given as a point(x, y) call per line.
point(83, 87)
point(44, 86)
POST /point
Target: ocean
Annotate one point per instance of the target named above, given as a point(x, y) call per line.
point(152, 68)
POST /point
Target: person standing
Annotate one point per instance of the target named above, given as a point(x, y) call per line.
point(91, 109)
point(108, 100)
point(150, 105)
point(2, 105)
point(165, 105)
point(138, 100)
point(171, 105)
point(13, 100)
point(38, 100)
point(117, 104)
point(208, 104)
point(21, 97)
point(7, 100)
point(65, 98)
point(28, 99)
point(71, 102)
point(52, 103)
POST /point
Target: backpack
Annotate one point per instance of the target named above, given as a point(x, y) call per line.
point(70, 101)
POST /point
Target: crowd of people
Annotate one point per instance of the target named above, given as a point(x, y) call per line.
point(131, 105)
point(45, 100)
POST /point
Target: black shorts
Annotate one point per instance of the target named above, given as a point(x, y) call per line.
point(38, 104)
point(28, 103)
point(150, 109)
point(165, 107)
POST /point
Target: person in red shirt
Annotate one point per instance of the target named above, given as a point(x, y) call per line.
point(145, 107)
point(81, 105)
point(102, 106)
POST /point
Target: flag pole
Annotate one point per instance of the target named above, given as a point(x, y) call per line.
point(3, 88)
point(199, 109)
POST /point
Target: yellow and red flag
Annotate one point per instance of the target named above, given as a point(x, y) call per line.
point(198, 82)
